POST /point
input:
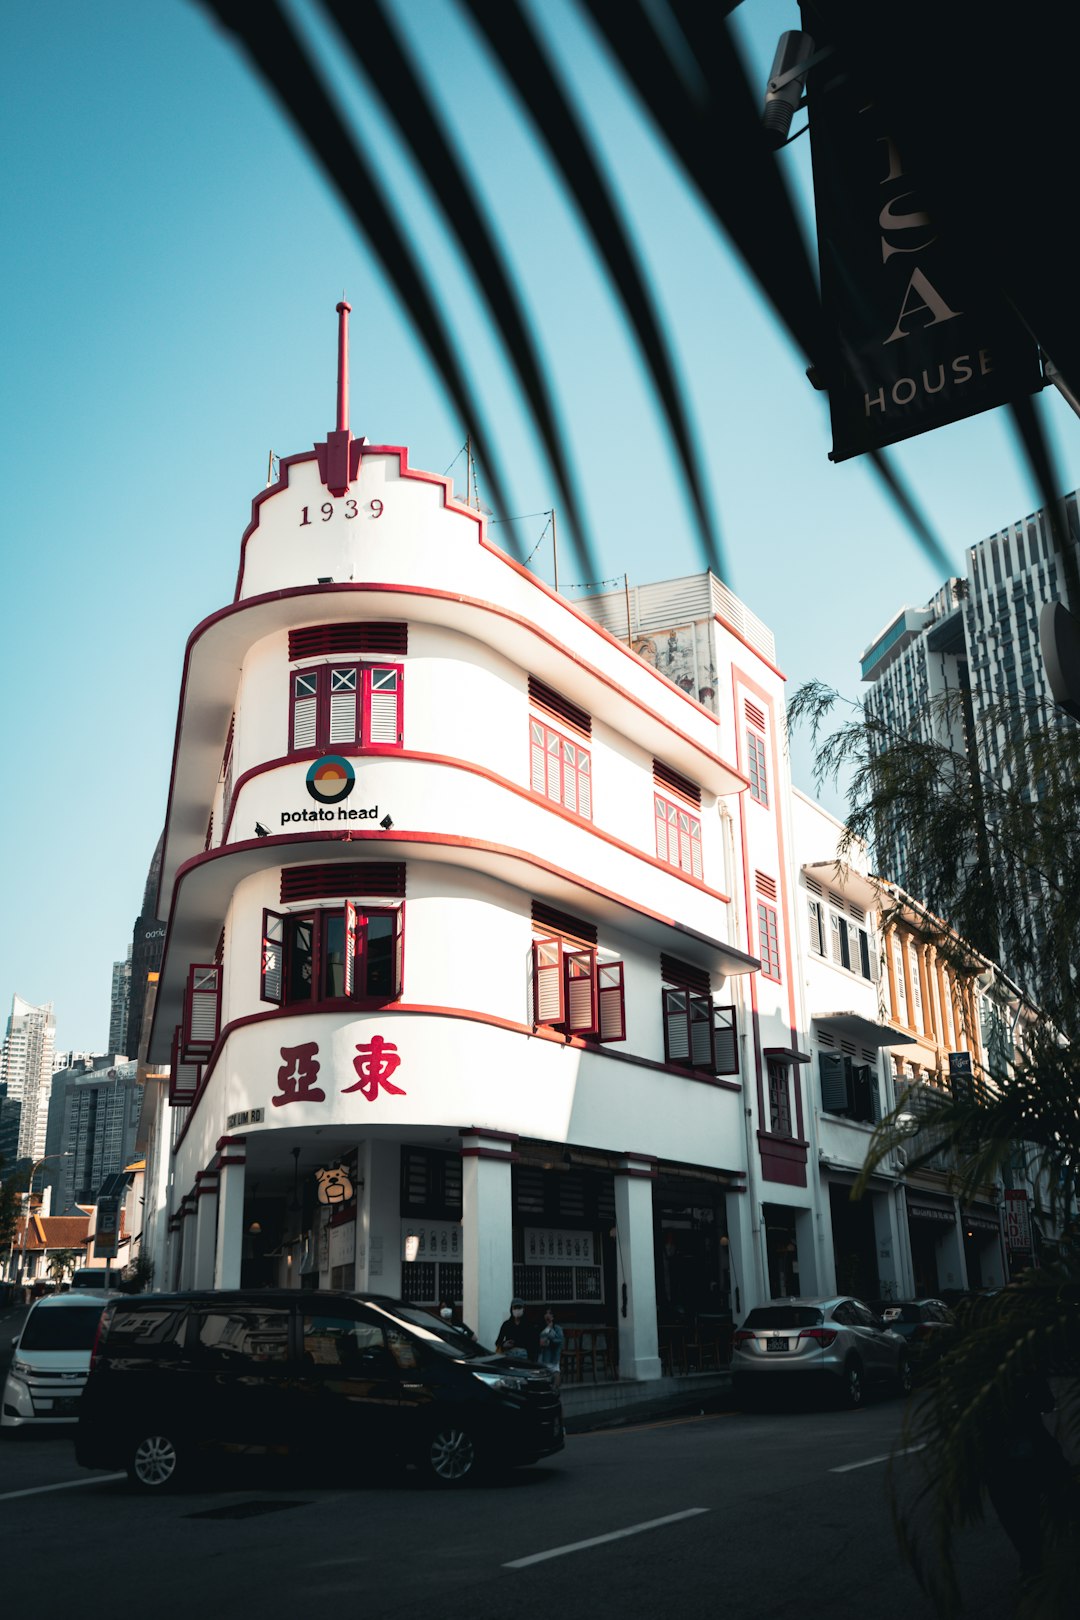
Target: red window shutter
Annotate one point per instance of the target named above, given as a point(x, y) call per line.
point(570, 776)
point(184, 1077)
point(580, 992)
point(350, 948)
point(399, 952)
point(304, 722)
point(584, 785)
point(660, 808)
point(611, 996)
point(725, 1040)
point(701, 1033)
point(343, 725)
point(202, 1006)
point(273, 948)
point(383, 704)
point(554, 767)
point(677, 1026)
point(537, 757)
point(547, 981)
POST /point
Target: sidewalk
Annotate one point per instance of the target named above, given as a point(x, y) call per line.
point(610, 1405)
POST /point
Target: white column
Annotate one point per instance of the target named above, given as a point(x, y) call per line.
point(378, 1219)
point(639, 1351)
point(951, 1259)
point(206, 1187)
point(892, 1271)
point(230, 1215)
point(742, 1254)
point(187, 1240)
point(487, 1219)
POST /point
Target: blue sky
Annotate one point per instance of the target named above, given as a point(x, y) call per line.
point(173, 260)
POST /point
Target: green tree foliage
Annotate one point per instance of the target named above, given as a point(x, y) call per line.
point(987, 853)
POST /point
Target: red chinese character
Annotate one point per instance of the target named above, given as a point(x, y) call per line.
point(297, 1075)
point(377, 1060)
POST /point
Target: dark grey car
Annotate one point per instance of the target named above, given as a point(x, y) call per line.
point(835, 1342)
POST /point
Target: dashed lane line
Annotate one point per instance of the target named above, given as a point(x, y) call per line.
point(597, 1541)
point(68, 1485)
point(868, 1462)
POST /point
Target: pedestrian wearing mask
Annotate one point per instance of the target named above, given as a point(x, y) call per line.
point(516, 1336)
point(551, 1345)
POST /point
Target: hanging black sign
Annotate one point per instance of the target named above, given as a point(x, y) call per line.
point(916, 344)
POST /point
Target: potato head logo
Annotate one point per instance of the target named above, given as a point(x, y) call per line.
point(334, 1185)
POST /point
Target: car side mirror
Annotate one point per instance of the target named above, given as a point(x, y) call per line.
point(15, 1339)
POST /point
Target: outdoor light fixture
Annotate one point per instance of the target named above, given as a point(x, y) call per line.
point(254, 1229)
point(386, 824)
point(412, 1247)
point(325, 579)
point(261, 831)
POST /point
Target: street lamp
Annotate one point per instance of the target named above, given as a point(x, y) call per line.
point(67, 1154)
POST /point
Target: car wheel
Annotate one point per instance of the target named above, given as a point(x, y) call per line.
point(155, 1462)
point(853, 1386)
point(451, 1456)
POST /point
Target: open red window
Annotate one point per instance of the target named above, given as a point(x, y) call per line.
point(353, 953)
point(202, 1011)
point(338, 704)
point(577, 992)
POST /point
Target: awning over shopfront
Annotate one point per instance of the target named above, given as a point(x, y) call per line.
point(856, 1026)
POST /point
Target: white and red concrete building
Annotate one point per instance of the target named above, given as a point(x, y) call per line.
point(465, 904)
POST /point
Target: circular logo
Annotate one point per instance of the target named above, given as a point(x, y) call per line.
point(330, 779)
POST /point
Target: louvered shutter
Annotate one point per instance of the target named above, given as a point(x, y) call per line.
point(305, 708)
point(584, 785)
point(701, 1032)
point(580, 992)
point(554, 767)
point(547, 981)
point(344, 703)
point(569, 792)
point(384, 685)
point(611, 997)
point(273, 947)
point(835, 949)
point(677, 1026)
point(399, 952)
point(201, 1008)
point(184, 1077)
point(350, 948)
point(834, 1089)
point(725, 1040)
point(537, 757)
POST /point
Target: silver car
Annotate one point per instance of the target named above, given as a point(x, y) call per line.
point(837, 1341)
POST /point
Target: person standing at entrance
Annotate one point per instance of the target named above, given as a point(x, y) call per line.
point(516, 1336)
point(551, 1345)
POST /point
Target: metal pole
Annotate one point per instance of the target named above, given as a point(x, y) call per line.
point(629, 630)
point(554, 550)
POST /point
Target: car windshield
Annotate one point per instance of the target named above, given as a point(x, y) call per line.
point(71, 1328)
point(440, 1336)
point(784, 1316)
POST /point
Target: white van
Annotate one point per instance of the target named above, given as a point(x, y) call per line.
point(50, 1360)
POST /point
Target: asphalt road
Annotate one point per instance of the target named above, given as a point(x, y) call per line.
point(772, 1515)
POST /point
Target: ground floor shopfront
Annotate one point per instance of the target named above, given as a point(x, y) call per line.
point(639, 1259)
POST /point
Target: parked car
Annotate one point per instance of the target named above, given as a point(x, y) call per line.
point(835, 1343)
point(93, 1277)
point(50, 1361)
point(177, 1378)
point(926, 1326)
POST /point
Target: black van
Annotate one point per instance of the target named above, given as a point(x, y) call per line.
point(320, 1376)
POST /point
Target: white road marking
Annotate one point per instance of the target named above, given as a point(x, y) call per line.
point(596, 1541)
point(886, 1456)
point(68, 1485)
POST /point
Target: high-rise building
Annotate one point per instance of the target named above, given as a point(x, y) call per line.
point(93, 1118)
point(119, 1005)
point(26, 1063)
point(146, 946)
point(977, 640)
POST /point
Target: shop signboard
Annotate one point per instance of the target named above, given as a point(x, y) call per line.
point(107, 1228)
point(1017, 1221)
point(918, 340)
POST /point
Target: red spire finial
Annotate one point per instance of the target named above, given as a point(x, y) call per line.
point(344, 310)
point(339, 456)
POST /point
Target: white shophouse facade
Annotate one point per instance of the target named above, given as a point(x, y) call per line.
point(464, 906)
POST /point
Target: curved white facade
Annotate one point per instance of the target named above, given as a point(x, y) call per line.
point(503, 977)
